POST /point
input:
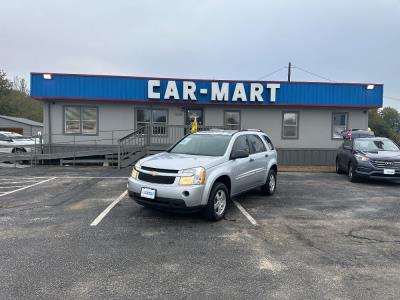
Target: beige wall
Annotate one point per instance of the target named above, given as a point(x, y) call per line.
point(315, 124)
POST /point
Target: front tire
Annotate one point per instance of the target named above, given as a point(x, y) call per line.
point(270, 185)
point(19, 151)
point(217, 202)
point(352, 175)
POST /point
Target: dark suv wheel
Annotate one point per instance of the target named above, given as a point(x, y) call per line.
point(338, 168)
point(352, 174)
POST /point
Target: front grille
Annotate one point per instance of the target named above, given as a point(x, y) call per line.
point(156, 178)
point(381, 164)
point(160, 170)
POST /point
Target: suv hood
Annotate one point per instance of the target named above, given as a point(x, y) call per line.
point(382, 155)
point(174, 161)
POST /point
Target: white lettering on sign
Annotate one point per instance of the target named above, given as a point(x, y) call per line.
point(150, 89)
point(189, 87)
point(273, 87)
point(219, 93)
point(256, 90)
point(171, 91)
point(239, 92)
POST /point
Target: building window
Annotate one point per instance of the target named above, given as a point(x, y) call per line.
point(232, 120)
point(290, 125)
point(80, 120)
point(339, 123)
point(155, 117)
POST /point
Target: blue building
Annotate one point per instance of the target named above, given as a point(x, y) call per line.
point(304, 119)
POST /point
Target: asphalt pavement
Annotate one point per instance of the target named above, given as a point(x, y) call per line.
point(318, 237)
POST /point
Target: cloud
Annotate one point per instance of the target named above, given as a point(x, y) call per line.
point(343, 40)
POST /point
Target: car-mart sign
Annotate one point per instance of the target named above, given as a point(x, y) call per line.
point(214, 90)
point(57, 86)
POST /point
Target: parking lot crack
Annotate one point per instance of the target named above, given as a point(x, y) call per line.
point(309, 243)
point(351, 234)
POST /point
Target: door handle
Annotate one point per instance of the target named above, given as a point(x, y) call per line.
point(266, 155)
point(251, 159)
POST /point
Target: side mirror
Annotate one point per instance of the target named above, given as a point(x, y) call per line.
point(239, 154)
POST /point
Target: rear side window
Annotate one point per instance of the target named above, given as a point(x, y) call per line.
point(269, 142)
point(256, 143)
point(241, 144)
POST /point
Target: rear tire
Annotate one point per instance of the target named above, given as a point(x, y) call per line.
point(217, 202)
point(338, 168)
point(270, 185)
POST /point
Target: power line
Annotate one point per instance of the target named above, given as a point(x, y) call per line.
point(272, 73)
point(392, 98)
point(312, 73)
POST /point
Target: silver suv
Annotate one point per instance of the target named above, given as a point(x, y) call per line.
point(204, 170)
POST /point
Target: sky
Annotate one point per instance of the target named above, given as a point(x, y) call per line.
point(342, 40)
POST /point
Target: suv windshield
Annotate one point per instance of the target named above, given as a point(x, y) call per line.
point(375, 145)
point(203, 144)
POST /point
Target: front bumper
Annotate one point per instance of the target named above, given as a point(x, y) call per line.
point(367, 170)
point(168, 196)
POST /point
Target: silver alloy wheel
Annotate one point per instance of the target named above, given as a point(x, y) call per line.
point(219, 202)
point(272, 182)
point(351, 172)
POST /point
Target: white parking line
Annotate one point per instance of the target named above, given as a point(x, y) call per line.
point(91, 177)
point(26, 187)
point(11, 186)
point(245, 213)
point(22, 178)
point(108, 209)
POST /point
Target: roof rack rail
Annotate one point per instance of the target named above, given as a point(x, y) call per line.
point(251, 129)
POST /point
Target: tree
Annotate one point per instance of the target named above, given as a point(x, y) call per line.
point(5, 84)
point(20, 84)
point(385, 123)
point(15, 100)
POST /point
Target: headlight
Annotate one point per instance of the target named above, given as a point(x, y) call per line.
point(361, 157)
point(135, 173)
point(193, 176)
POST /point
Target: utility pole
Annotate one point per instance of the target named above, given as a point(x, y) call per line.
point(289, 71)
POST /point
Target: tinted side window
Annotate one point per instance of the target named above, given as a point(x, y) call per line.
point(256, 143)
point(269, 143)
point(2, 137)
point(241, 144)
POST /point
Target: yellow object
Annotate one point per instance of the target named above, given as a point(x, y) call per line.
point(369, 129)
point(194, 126)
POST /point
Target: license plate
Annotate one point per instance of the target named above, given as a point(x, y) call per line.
point(148, 193)
point(389, 171)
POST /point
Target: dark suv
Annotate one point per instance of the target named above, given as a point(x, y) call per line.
point(368, 157)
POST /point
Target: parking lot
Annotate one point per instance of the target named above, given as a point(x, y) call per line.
point(318, 237)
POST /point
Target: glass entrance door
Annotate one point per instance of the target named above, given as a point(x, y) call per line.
point(191, 113)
